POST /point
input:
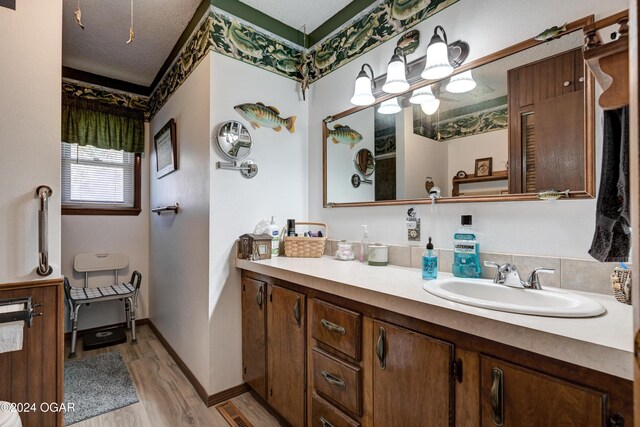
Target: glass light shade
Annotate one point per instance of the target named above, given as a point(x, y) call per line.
point(430, 107)
point(396, 76)
point(461, 83)
point(437, 65)
point(390, 106)
point(362, 93)
point(422, 95)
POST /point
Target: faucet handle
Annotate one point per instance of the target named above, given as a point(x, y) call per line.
point(533, 281)
point(499, 277)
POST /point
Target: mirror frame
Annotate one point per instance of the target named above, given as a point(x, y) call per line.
point(589, 131)
point(226, 155)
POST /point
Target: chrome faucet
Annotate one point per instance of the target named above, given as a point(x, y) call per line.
point(508, 275)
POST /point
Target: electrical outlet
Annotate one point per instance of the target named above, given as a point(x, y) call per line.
point(413, 225)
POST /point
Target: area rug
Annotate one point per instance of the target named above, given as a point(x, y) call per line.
point(96, 385)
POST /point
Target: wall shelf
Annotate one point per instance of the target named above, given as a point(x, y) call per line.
point(471, 178)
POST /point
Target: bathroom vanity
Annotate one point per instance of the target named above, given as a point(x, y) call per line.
point(329, 343)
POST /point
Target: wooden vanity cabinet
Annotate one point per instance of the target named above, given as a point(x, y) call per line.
point(254, 329)
point(515, 396)
point(386, 369)
point(286, 353)
point(412, 381)
point(34, 375)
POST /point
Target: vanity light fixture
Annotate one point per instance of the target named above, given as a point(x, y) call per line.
point(390, 106)
point(461, 83)
point(396, 73)
point(430, 107)
point(362, 94)
point(443, 57)
point(422, 95)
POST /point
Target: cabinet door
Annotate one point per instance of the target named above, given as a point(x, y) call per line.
point(515, 396)
point(286, 354)
point(412, 383)
point(254, 363)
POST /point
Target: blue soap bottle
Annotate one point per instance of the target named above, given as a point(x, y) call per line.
point(429, 263)
point(466, 251)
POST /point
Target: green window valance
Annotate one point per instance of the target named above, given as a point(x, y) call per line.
point(113, 127)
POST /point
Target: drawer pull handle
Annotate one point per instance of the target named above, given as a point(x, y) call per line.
point(380, 347)
point(330, 326)
point(497, 408)
point(333, 380)
point(296, 312)
point(259, 298)
point(325, 423)
point(567, 83)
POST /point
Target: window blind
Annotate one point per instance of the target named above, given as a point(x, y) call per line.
point(96, 177)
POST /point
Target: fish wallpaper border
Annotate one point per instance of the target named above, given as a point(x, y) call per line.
point(105, 95)
point(223, 33)
point(488, 120)
point(385, 21)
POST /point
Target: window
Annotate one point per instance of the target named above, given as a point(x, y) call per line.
point(98, 181)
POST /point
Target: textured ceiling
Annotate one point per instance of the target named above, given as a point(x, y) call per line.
point(296, 13)
point(101, 49)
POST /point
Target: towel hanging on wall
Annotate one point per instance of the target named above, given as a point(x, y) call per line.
point(612, 238)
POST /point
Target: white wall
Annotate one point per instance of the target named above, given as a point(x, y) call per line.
point(30, 111)
point(179, 244)
point(340, 160)
point(237, 204)
point(99, 234)
point(418, 158)
point(562, 228)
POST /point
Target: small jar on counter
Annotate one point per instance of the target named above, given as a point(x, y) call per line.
point(345, 251)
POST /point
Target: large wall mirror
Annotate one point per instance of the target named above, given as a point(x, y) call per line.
point(526, 127)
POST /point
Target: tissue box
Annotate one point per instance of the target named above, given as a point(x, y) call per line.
point(254, 246)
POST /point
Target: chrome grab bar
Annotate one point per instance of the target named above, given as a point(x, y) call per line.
point(43, 193)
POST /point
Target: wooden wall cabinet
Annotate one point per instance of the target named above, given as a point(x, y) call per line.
point(34, 375)
point(547, 124)
point(286, 353)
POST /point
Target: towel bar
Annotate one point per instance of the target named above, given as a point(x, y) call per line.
point(27, 314)
point(161, 209)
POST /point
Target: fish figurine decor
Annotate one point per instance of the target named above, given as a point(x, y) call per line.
point(344, 135)
point(552, 194)
point(551, 33)
point(409, 42)
point(260, 115)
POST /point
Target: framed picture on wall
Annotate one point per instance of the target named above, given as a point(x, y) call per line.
point(166, 147)
point(484, 167)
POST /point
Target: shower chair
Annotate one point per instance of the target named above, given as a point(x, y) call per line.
point(126, 291)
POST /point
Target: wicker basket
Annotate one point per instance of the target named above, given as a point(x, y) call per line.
point(621, 285)
point(305, 247)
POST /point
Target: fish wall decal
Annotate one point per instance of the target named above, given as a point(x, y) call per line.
point(344, 135)
point(551, 33)
point(260, 115)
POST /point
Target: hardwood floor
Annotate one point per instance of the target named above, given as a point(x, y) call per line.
point(166, 396)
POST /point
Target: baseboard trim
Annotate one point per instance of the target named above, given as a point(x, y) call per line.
point(139, 322)
point(208, 399)
point(227, 394)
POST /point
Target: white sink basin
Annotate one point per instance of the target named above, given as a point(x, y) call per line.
point(539, 302)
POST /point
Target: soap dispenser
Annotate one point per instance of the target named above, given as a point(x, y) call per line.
point(429, 263)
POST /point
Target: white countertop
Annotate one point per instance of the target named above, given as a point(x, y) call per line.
point(603, 343)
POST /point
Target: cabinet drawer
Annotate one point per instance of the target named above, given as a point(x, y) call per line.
point(337, 327)
point(323, 414)
point(337, 381)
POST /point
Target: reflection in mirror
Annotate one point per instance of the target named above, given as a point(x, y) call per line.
point(364, 162)
point(522, 120)
point(233, 140)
